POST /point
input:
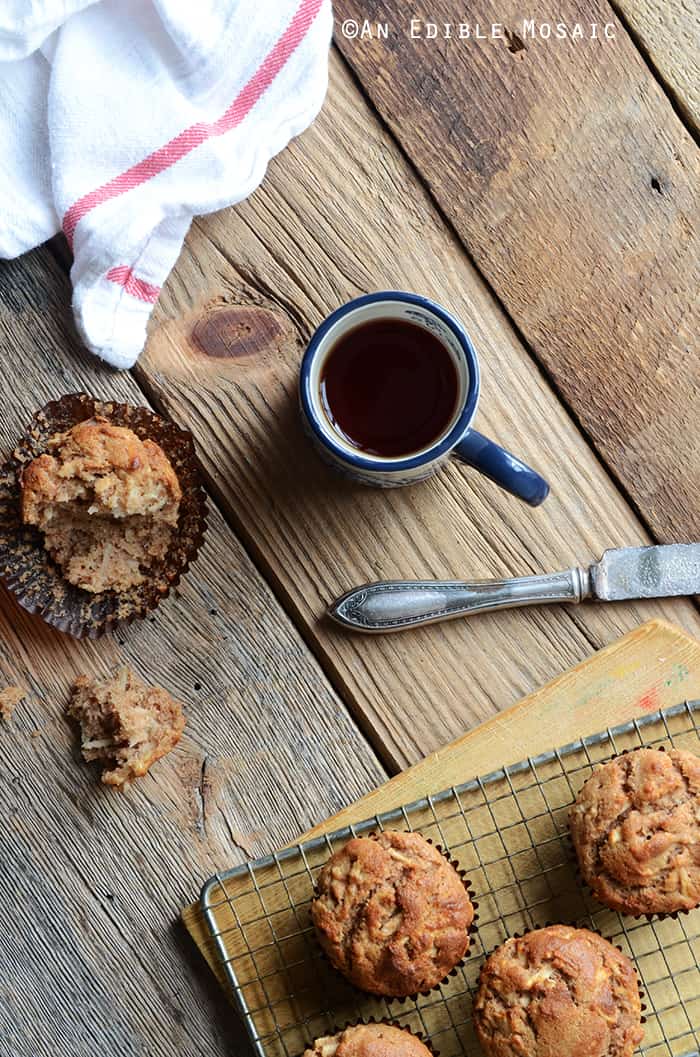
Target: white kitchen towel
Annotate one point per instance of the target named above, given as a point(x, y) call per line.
point(122, 119)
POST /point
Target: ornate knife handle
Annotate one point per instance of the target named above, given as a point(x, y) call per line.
point(393, 605)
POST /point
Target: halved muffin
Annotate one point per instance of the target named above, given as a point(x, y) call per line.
point(106, 502)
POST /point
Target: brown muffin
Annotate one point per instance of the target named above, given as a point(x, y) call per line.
point(125, 725)
point(636, 829)
point(558, 992)
point(106, 501)
point(369, 1040)
point(392, 914)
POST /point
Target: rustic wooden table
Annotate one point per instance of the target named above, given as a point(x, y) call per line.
point(546, 192)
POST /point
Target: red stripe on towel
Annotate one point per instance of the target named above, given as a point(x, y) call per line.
point(123, 276)
point(193, 137)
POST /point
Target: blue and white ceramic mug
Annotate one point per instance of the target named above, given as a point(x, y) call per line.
point(458, 438)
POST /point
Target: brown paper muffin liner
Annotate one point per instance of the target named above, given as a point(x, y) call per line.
point(26, 568)
point(472, 932)
point(390, 1024)
point(571, 849)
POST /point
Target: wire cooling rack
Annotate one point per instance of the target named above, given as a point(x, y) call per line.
point(508, 830)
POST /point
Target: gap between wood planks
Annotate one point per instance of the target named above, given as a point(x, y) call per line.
point(86, 862)
point(549, 172)
point(664, 82)
point(59, 250)
point(256, 552)
point(287, 597)
point(542, 367)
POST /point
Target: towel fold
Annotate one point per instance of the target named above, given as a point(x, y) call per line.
point(123, 119)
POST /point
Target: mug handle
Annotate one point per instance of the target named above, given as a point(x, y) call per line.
point(502, 468)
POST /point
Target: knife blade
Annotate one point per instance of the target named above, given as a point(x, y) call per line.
point(647, 572)
point(624, 573)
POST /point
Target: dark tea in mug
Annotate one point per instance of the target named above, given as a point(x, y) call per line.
point(389, 388)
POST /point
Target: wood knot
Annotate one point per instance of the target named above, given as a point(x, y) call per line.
point(515, 43)
point(236, 333)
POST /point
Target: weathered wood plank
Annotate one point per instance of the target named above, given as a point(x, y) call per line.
point(668, 31)
point(574, 186)
point(224, 355)
point(91, 880)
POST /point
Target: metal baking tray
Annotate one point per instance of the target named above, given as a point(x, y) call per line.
point(508, 830)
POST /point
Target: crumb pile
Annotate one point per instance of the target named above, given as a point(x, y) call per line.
point(636, 830)
point(106, 502)
point(369, 1040)
point(10, 697)
point(125, 725)
point(392, 913)
point(558, 992)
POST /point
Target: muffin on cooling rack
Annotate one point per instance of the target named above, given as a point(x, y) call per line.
point(369, 1040)
point(106, 502)
point(636, 829)
point(392, 914)
point(558, 992)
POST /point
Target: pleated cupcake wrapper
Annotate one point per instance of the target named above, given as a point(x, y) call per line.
point(655, 916)
point(389, 1023)
point(27, 570)
point(582, 928)
point(435, 989)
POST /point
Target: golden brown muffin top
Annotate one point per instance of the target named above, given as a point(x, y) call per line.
point(392, 913)
point(558, 992)
point(636, 830)
point(369, 1040)
point(107, 468)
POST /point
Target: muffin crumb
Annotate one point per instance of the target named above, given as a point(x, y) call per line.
point(106, 502)
point(10, 697)
point(125, 725)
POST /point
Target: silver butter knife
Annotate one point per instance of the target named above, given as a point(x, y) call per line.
point(630, 572)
